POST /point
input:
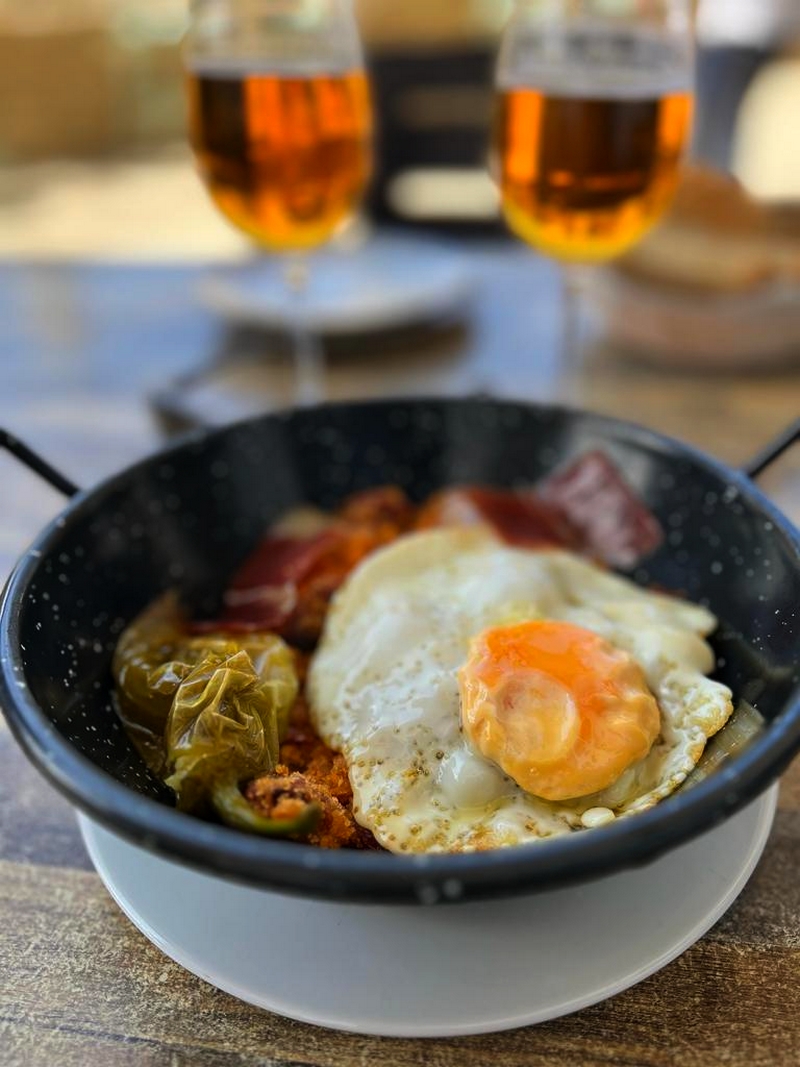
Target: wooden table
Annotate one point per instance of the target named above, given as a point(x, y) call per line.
point(79, 348)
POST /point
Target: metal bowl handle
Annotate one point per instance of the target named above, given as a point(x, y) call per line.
point(35, 462)
point(773, 451)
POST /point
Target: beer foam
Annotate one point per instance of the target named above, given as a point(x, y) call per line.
point(239, 67)
point(596, 62)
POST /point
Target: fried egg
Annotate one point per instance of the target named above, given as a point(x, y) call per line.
point(484, 695)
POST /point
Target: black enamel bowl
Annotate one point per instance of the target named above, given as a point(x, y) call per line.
point(187, 516)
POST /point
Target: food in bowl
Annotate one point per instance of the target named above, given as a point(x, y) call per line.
point(486, 695)
point(459, 675)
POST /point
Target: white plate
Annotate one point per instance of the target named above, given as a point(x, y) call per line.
point(435, 971)
point(390, 281)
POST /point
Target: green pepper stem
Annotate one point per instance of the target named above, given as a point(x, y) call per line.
point(234, 810)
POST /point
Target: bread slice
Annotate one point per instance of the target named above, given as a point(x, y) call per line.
point(718, 239)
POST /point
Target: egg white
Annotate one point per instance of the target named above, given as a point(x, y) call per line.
point(384, 692)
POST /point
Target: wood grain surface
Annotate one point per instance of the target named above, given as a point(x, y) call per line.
point(80, 348)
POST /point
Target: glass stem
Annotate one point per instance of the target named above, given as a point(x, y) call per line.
point(308, 353)
point(570, 322)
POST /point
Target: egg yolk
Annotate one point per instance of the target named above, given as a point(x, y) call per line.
point(557, 707)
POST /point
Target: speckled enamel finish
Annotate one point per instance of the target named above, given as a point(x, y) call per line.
point(187, 516)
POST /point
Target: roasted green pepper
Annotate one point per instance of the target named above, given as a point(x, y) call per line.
point(207, 712)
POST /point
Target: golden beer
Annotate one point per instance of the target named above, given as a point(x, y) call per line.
point(285, 157)
point(583, 178)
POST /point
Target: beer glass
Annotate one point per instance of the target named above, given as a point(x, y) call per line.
point(593, 116)
point(280, 123)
